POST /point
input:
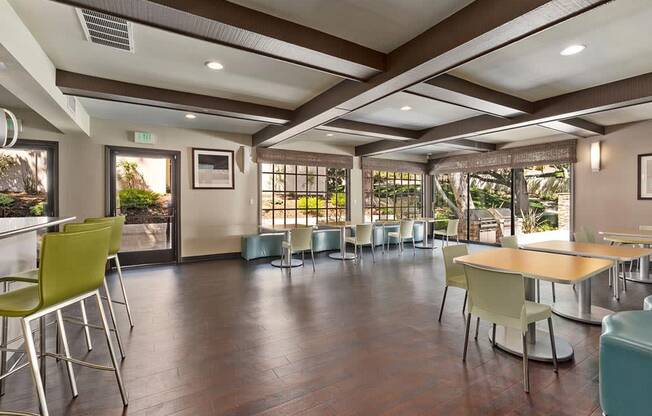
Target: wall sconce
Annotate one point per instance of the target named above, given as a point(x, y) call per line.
point(595, 156)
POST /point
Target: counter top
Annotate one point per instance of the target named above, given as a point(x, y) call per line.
point(18, 225)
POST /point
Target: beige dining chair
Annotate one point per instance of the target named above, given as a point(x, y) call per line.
point(511, 241)
point(405, 232)
point(450, 231)
point(499, 298)
point(300, 242)
point(453, 273)
point(363, 237)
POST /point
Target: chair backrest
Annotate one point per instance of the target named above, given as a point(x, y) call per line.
point(117, 223)
point(406, 229)
point(75, 227)
point(645, 227)
point(301, 238)
point(451, 229)
point(585, 235)
point(497, 297)
point(509, 241)
point(363, 233)
point(450, 253)
point(72, 263)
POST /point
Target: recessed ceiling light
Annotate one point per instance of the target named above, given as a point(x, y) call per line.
point(406, 108)
point(190, 116)
point(572, 50)
point(329, 134)
point(214, 65)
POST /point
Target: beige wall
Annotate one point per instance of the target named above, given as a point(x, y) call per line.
point(608, 198)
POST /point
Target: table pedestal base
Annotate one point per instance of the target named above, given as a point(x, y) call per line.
point(509, 340)
point(571, 310)
point(638, 277)
point(340, 256)
point(285, 264)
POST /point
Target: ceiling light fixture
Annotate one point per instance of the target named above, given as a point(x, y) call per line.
point(214, 65)
point(406, 108)
point(572, 50)
point(190, 116)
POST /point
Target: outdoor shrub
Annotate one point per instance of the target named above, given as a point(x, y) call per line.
point(6, 200)
point(138, 198)
point(311, 203)
point(37, 210)
point(338, 200)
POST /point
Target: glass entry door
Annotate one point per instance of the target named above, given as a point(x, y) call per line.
point(143, 186)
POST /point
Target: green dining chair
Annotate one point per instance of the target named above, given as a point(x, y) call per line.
point(405, 232)
point(116, 242)
point(453, 273)
point(71, 270)
point(89, 226)
point(363, 237)
point(499, 298)
point(511, 241)
point(300, 242)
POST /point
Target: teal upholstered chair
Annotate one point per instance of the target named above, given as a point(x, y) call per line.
point(626, 363)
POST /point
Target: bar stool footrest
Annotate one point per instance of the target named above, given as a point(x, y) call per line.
point(79, 362)
point(81, 323)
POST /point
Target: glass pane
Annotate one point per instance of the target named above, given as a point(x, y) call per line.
point(279, 182)
point(267, 182)
point(490, 215)
point(312, 170)
point(312, 183)
point(267, 168)
point(24, 183)
point(290, 168)
point(321, 170)
point(542, 203)
point(449, 201)
point(143, 195)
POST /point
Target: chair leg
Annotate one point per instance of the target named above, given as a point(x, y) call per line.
point(477, 328)
point(554, 296)
point(114, 361)
point(66, 352)
point(41, 340)
point(526, 370)
point(124, 291)
point(114, 322)
point(303, 257)
point(34, 366)
point(466, 336)
point(493, 335)
point(443, 301)
point(312, 256)
point(553, 346)
point(466, 295)
point(87, 331)
point(414, 247)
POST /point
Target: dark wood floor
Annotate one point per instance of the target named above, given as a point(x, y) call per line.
point(236, 338)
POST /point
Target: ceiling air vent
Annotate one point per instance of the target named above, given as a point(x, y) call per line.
point(107, 30)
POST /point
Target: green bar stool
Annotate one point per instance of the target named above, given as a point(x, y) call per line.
point(116, 241)
point(71, 270)
point(89, 226)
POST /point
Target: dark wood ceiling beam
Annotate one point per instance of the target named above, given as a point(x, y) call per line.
point(232, 25)
point(80, 85)
point(460, 92)
point(467, 144)
point(618, 94)
point(476, 30)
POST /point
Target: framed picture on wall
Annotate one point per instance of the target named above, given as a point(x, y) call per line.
point(645, 176)
point(212, 169)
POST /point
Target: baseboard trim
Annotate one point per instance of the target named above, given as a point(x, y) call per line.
point(210, 257)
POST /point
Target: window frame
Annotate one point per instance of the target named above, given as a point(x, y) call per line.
point(317, 172)
point(413, 210)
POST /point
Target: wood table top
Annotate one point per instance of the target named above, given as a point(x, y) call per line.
point(337, 224)
point(282, 227)
point(556, 268)
point(628, 235)
point(602, 251)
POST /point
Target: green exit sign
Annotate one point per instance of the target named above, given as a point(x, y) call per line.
point(143, 137)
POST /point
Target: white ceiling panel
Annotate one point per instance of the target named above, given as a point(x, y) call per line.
point(133, 113)
point(622, 115)
point(383, 25)
point(167, 60)
point(424, 112)
point(617, 39)
point(515, 135)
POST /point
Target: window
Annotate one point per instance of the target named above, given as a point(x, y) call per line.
point(28, 178)
point(532, 203)
point(294, 194)
point(392, 195)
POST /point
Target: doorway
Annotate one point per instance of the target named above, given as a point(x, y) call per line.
point(143, 185)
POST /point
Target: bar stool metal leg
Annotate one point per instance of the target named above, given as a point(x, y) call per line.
point(42, 340)
point(114, 322)
point(34, 365)
point(107, 334)
point(66, 351)
point(124, 290)
point(87, 331)
point(3, 344)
